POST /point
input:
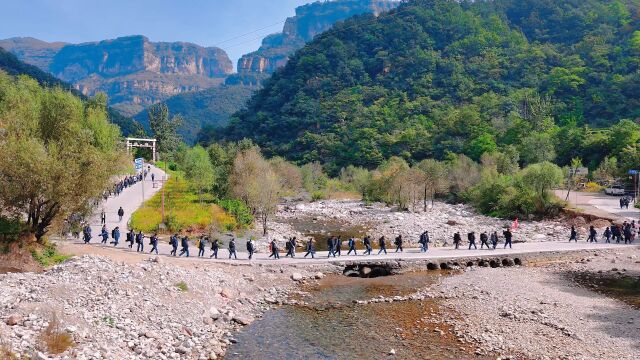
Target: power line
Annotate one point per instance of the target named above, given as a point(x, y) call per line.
point(248, 33)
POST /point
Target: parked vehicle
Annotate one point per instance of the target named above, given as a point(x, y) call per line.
point(615, 190)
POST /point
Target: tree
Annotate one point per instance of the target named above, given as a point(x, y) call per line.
point(434, 179)
point(542, 177)
point(198, 169)
point(573, 176)
point(358, 177)
point(57, 153)
point(254, 181)
point(537, 147)
point(289, 174)
point(608, 170)
point(164, 129)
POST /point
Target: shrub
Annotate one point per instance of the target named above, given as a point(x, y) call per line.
point(182, 286)
point(49, 256)
point(592, 187)
point(55, 340)
point(318, 195)
point(238, 210)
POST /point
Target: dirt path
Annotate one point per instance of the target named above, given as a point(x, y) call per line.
point(600, 205)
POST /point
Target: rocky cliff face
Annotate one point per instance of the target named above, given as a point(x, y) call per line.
point(309, 21)
point(133, 71)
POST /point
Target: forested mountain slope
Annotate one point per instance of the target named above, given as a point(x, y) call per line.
point(435, 77)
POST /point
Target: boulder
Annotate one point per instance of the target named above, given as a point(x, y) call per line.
point(296, 277)
point(243, 320)
point(14, 319)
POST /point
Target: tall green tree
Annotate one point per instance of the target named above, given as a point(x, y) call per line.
point(198, 169)
point(164, 129)
point(57, 153)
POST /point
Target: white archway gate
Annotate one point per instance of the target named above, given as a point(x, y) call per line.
point(142, 143)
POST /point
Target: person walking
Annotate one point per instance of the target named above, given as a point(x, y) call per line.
point(120, 214)
point(592, 234)
point(574, 234)
point(627, 234)
point(86, 233)
point(484, 240)
point(352, 246)
point(424, 241)
point(131, 237)
point(184, 244)
point(508, 237)
point(289, 248)
point(202, 245)
point(274, 250)
point(232, 249)
point(173, 241)
point(250, 248)
point(103, 217)
point(153, 241)
point(457, 239)
point(105, 234)
point(330, 247)
point(294, 243)
point(367, 245)
point(140, 241)
point(494, 239)
point(115, 234)
point(310, 250)
point(398, 243)
point(472, 240)
point(337, 246)
point(215, 246)
point(607, 235)
point(383, 245)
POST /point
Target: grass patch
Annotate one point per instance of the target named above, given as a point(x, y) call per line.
point(49, 256)
point(53, 339)
point(109, 321)
point(182, 286)
point(183, 209)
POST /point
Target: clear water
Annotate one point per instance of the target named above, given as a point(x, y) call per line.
point(332, 327)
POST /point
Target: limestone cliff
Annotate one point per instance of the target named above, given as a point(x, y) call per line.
point(133, 71)
point(309, 21)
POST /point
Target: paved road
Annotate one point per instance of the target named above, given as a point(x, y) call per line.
point(599, 204)
point(130, 200)
point(122, 252)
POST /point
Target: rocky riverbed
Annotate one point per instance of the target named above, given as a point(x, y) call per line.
point(441, 220)
point(148, 310)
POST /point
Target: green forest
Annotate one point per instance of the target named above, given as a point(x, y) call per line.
point(537, 80)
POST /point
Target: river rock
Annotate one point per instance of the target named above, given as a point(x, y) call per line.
point(14, 319)
point(243, 320)
point(296, 276)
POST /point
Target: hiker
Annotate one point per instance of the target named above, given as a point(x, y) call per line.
point(508, 236)
point(574, 234)
point(215, 245)
point(173, 241)
point(607, 235)
point(472, 240)
point(367, 245)
point(232, 249)
point(202, 245)
point(120, 214)
point(131, 236)
point(250, 248)
point(494, 239)
point(274, 250)
point(592, 234)
point(352, 246)
point(288, 246)
point(153, 241)
point(383, 245)
point(484, 240)
point(184, 243)
point(103, 217)
point(105, 234)
point(337, 246)
point(330, 247)
point(140, 241)
point(115, 234)
point(294, 241)
point(424, 241)
point(457, 239)
point(310, 250)
point(398, 243)
point(86, 232)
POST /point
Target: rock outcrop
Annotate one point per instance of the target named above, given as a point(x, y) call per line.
point(309, 21)
point(133, 71)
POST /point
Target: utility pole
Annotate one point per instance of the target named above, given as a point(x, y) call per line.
point(142, 182)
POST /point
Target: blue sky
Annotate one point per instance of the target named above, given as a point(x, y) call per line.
point(204, 22)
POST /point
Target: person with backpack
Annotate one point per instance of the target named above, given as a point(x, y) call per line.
point(288, 247)
point(592, 234)
point(494, 239)
point(310, 249)
point(398, 243)
point(105, 234)
point(337, 246)
point(294, 243)
point(103, 218)
point(140, 241)
point(232, 249)
point(472, 240)
point(383, 245)
point(86, 232)
point(367, 245)
point(120, 214)
point(424, 241)
point(215, 245)
point(250, 248)
point(202, 245)
point(173, 241)
point(274, 250)
point(330, 247)
point(484, 240)
point(153, 241)
point(607, 235)
point(184, 243)
point(508, 237)
point(457, 239)
point(131, 236)
point(574, 234)
point(352, 246)
point(115, 234)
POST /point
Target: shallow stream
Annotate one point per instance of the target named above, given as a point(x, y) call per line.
point(330, 326)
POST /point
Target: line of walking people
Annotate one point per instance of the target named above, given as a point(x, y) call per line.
point(626, 232)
